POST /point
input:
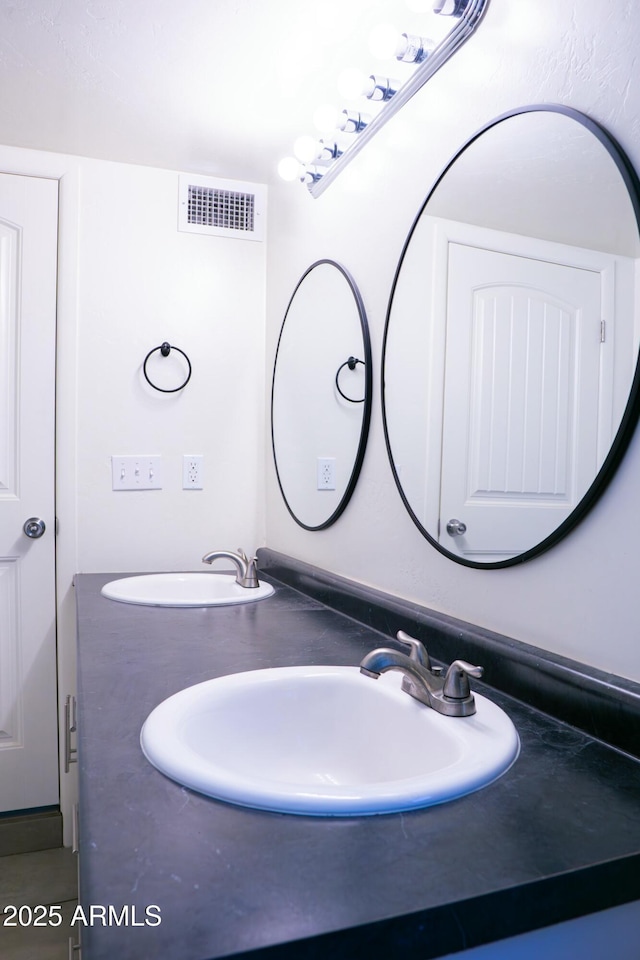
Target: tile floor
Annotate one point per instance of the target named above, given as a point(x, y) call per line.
point(47, 878)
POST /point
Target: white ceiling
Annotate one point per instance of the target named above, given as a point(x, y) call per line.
point(218, 87)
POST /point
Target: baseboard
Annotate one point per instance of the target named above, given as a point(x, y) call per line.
point(30, 831)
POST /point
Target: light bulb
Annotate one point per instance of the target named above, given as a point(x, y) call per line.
point(326, 118)
point(383, 41)
point(306, 149)
point(351, 83)
point(290, 169)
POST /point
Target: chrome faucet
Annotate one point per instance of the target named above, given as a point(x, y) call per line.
point(450, 695)
point(246, 570)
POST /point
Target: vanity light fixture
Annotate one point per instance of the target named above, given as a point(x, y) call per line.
point(352, 121)
point(353, 83)
point(386, 42)
point(321, 166)
point(310, 150)
point(329, 120)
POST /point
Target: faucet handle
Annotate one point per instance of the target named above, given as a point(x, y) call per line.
point(417, 649)
point(456, 681)
point(251, 576)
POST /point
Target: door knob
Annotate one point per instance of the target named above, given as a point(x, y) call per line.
point(456, 528)
point(34, 527)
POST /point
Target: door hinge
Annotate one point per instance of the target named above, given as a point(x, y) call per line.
point(603, 331)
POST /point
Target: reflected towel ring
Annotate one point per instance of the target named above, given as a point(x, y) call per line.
point(351, 363)
point(165, 349)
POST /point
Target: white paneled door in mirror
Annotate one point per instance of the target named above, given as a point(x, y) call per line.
point(28, 711)
point(521, 401)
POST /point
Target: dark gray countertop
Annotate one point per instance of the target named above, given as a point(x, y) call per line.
point(556, 837)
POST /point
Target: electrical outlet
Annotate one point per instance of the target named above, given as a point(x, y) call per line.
point(192, 471)
point(136, 473)
point(326, 473)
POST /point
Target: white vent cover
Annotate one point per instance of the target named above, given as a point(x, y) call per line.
point(221, 208)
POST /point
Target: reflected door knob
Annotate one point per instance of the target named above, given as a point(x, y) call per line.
point(34, 527)
point(456, 528)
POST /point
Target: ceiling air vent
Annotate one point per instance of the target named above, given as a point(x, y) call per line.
point(221, 208)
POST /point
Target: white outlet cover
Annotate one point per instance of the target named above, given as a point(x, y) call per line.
point(326, 473)
point(192, 471)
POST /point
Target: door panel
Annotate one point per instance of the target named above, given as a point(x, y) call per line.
point(521, 398)
point(521, 402)
point(28, 711)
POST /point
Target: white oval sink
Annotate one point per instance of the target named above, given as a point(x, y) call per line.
point(184, 590)
point(324, 741)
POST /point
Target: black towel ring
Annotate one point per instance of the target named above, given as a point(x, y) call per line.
point(351, 363)
point(165, 349)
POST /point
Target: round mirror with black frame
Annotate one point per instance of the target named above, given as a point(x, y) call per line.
point(510, 375)
point(321, 395)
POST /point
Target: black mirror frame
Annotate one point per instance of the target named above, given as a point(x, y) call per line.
point(631, 413)
point(368, 392)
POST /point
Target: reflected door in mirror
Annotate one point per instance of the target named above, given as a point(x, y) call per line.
point(522, 381)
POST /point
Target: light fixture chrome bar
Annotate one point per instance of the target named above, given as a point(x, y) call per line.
point(461, 32)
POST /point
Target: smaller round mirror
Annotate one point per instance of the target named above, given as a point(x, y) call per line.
point(321, 395)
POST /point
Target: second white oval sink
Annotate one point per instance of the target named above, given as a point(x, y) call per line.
point(184, 590)
point(324, 741)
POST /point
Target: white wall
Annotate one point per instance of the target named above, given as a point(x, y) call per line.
point(579, 599)
point(128, 280)
point(142, 282)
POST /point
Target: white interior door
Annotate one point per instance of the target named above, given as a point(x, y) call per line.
point(521, 402)
point(28, 697)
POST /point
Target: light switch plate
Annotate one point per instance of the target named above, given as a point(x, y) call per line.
point(136, 473)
